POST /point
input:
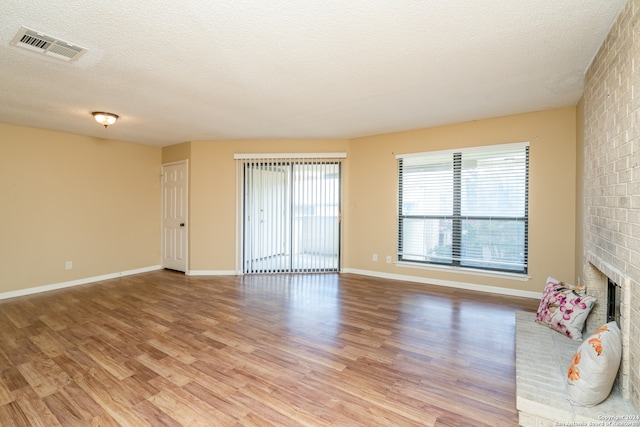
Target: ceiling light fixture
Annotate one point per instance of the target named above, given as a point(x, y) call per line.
point(105, 119)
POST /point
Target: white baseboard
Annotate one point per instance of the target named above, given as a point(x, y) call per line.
point(416, 279)
point(62, 285)
point(447, 283)
point(212, 273)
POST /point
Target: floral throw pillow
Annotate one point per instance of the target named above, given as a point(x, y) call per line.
point(594, 366)
point(564, 308)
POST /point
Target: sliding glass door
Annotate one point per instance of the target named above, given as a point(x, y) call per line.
point(291, 216)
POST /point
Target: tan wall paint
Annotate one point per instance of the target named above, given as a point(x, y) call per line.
point(177, 152)
point(370, 194)
point(66, 197)
point(212, 194)
point(96, 202)
point(372, 205)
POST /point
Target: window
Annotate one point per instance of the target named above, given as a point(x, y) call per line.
point(465, 208)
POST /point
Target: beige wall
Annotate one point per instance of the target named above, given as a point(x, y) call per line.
point(96, 202)
point(66, 197)
point(373, 203)
point(177, 152)
point(370, 194)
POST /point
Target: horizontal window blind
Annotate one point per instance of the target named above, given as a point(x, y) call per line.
point(466, 208)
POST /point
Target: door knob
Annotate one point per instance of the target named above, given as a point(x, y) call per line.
point(182, 224)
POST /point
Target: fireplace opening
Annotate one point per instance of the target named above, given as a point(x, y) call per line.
point(613, 302)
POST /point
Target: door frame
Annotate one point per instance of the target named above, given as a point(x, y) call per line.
point(187, 225)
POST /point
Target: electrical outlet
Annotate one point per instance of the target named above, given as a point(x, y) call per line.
point(68, 265)
point(388, 259)
point(374, 258)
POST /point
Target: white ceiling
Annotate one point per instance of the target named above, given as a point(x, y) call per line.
point(190, 70)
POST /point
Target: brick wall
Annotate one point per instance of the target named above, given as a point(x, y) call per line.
point(612, 171)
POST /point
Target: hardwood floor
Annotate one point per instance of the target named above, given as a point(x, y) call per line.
point(165, 349)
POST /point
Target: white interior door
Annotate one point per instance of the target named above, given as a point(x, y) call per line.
point(174, 216)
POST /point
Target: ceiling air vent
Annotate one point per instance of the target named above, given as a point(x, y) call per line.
point(36, 41)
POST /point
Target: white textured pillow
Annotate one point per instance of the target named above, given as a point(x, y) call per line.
point(594, 366)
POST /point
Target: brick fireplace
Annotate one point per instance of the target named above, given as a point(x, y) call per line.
point(597, 276)
point(608, 157)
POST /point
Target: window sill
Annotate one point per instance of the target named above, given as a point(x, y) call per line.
point(466, 270)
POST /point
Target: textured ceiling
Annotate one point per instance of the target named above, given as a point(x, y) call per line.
point(190, 70)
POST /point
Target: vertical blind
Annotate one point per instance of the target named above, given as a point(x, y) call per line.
point(466, 208)
point(288, 214)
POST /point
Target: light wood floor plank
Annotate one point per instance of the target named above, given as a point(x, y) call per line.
point(12, 415)
point(44, 376)
point(165, 349)
point(37, 412)
point(5, 391)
